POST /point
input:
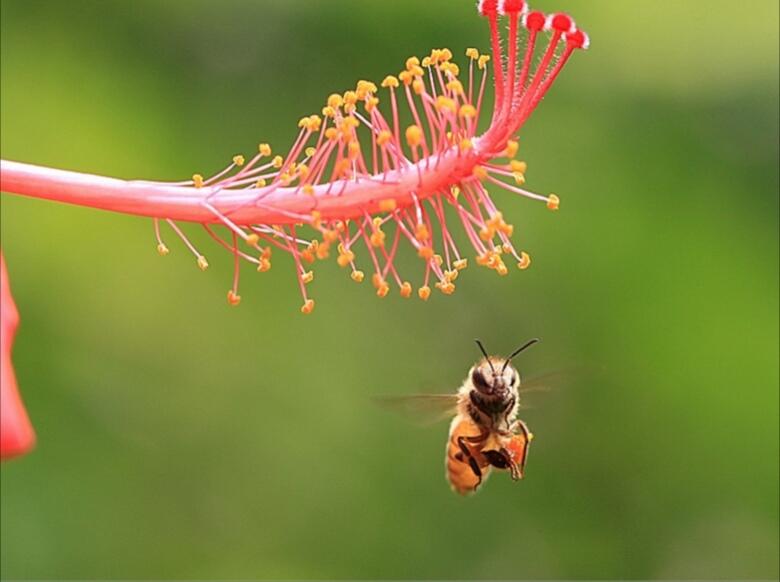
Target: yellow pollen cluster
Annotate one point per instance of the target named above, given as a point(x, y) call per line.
point(308, 307)
point(390, 82)
point(197, 180)
point(388, 205)
point(414, 136)
point(239, 160)
point(233, 299)
point(264, 149)
point(553, 202)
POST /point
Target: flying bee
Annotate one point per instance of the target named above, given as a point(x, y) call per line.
point(485, 432)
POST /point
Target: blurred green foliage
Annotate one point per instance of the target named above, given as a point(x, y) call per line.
point(179, 437)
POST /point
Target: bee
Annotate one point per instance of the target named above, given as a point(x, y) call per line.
point(485, 433)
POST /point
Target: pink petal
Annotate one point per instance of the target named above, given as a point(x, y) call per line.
point(16, 433)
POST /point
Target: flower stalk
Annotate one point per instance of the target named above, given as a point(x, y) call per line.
point(358, 179)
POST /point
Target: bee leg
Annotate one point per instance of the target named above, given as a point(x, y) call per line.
point(471, 460)
point(515, 471)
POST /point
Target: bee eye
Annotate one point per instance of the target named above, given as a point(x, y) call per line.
point(479, 380)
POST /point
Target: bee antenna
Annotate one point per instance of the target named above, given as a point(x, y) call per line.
point(484, 352)
point(525, 346)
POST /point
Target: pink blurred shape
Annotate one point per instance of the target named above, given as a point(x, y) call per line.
point(17, 436)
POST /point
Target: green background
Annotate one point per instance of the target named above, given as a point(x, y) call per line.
point(182, 438)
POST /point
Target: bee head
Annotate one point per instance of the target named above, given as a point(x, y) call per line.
point(496, 376)
point(492, 378)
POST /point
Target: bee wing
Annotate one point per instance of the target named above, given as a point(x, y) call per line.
point(546, 381)
point(423, 409)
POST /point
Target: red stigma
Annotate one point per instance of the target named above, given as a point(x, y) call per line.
point(562, 23)
point(487, 7)
point(578, 39)
point(535, 21)
point(513, 6)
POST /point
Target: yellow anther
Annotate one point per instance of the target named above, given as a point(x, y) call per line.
point(315, 122)
point(518, 166)
point(307, 277)
point(377, 238)
point(483, 61)
point(252, 239)
point(323, 251)
point(412, 62)
point(345, 259)
point(406, 289)
point(406, 77)
point(263, 265)
point(466, 144)
point(418, 86)
point(328, 111)
point(383, 290)
point(530, 436)
point(303, 122)
point(446, 287)
point(307, 255)
point(307, 307)
point(278, 161)
point(308, 189)
point(425, 252)
point(519, 178)
point(506, 248)
point(553, 202)
point(390, 82)
point(417, 71)
point(353, 150)
point(426, 62)
point(421, 232)
point(351, 122)
point(203, 264)
point(332, 133)
point(467, 111)
point(501, 269)
point(414, 136)
point(451, 69)
point(266, 253)
point(197, 180)
point(162, 249)
point(335, 101)
point(525, 261)
point(350, 98)
point(358, 276)
point(451, 275)
point(511, 149)
point(371, 104)
point(260, 183)
point(364, 89)
point(455, 191)
point(438, 260)
point(310, 151)
point(264, 149)
point(480, 172)
point(384, 137)
point(233, 299)
point(342, 168)
point(445, 54)
point(472, 53)
point(445, 103)
point(455, 86)
point(330, 236)
point(388, 205)
point(239, 160)
point(461, 264)
point(424, 293)
point(316, 219)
